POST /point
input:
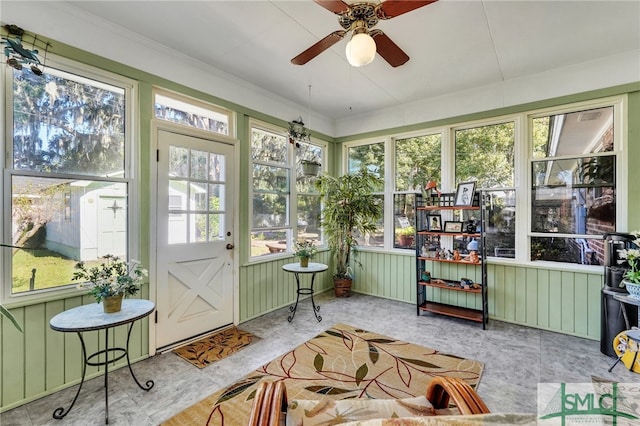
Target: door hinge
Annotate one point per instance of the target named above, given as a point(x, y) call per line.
point(157, 155)
point(156, 319)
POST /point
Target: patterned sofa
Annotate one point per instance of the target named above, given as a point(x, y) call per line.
point(272, 408)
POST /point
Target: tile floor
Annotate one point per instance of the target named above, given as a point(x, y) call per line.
point(516, 359)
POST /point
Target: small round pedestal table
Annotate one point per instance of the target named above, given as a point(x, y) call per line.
point(92, 318)
point(312, 269)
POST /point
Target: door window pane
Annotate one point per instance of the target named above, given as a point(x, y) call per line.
point(202, 195)
point(217, 167)
point(178, 161)
point(199, 164)
point(216, 227)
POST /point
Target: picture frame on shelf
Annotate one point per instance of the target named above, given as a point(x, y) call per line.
point(465, 193)
point(453, 227)
point(434, 223)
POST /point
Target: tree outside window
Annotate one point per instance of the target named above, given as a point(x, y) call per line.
point(485, 154)
point(68, 177)
point(417, 161)
point(285, 204)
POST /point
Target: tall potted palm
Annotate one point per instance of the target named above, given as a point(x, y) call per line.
point(350, 210)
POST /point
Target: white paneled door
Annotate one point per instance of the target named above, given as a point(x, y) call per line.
point(194, 236)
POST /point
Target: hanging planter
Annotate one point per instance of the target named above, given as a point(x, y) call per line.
point(310, 167)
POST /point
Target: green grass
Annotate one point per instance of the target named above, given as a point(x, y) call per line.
point(52, 269)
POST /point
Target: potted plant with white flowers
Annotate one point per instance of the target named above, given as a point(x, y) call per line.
point(304, 250)
point(111, 280)
point(631, 278)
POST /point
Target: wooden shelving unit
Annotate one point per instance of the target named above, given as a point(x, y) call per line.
point(428, 289)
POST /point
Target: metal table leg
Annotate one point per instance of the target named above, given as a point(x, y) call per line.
point(149, 383)
point(59, 412)
point(118, 354)
point(299, 291)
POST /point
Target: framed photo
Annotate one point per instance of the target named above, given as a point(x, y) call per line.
point(464, 193)
point(452, 226)
point(434, 223)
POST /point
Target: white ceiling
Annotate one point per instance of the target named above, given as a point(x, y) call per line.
point(455, 46)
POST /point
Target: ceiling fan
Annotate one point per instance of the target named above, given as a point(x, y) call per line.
point(360, 18)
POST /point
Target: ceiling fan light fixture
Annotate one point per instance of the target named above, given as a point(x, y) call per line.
point(361, 49)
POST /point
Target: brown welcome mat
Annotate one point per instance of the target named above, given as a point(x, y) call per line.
point(342, 362)
point(215, 347)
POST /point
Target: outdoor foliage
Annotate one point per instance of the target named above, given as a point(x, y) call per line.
point(67, 126)
point(486, 154)
point(418, 160)
point(63, 125)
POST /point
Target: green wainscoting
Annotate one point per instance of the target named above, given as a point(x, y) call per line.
point(386, 275)
point(562, 301)
point(265, 287)
point(41, 361)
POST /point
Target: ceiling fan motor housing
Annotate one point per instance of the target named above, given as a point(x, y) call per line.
point(365, 12)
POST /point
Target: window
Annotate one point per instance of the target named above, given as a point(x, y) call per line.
point(417, 161)
point(371, 157)
point(573, 185)
point(193, 113)
point(282, 210)
point(485, 154)
point(308, 199)
point(562, 180)
point(68, 171)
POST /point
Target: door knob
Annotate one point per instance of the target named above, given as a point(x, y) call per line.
point(229, 246)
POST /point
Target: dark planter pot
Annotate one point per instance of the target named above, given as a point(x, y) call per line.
point(342, 287)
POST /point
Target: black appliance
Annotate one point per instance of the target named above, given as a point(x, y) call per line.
point(612, 318)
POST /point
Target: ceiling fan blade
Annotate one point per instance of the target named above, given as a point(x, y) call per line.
point(318, 48)
point(335, 6)
point(391, 8)
point(388, 49)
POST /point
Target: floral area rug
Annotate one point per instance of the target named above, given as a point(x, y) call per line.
point(341, 362)
point(215, 347)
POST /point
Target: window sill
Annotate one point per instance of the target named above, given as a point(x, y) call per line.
point(549, 266)
point(42, 296)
